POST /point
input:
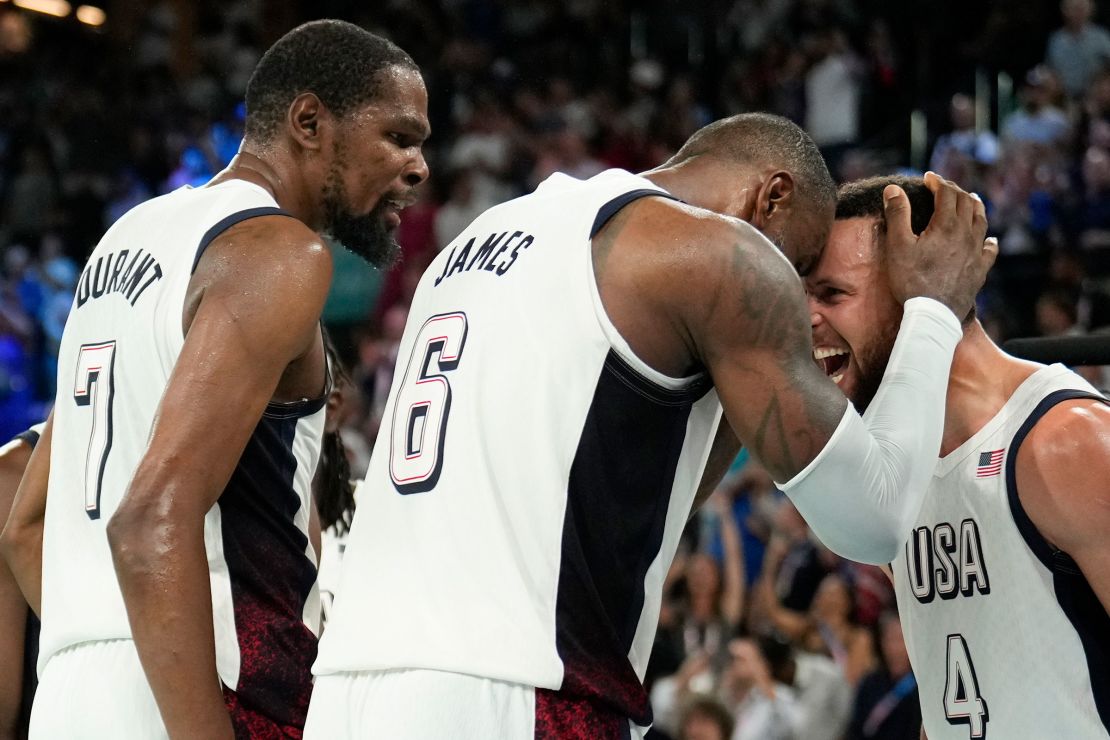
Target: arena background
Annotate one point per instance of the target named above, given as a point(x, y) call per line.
point(105, 105)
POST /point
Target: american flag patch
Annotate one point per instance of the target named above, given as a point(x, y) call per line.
point(990, 463)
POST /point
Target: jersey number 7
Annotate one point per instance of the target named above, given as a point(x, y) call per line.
point(423, 404)
point(94, 386)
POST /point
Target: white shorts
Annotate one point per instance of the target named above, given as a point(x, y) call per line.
point(95, 690)
point(426, 705)
point(418, 705)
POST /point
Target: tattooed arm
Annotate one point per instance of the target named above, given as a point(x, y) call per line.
point(859, 483)
point(687, 289)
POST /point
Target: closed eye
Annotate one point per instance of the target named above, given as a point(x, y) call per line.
point(828, 294)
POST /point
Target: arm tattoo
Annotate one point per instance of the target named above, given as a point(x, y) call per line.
point(770, 442)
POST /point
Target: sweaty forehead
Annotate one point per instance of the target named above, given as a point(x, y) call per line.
point(850, 250)
point(402, 99)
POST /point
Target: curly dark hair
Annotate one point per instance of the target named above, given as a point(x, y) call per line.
point(338, 61)
point(864, 199)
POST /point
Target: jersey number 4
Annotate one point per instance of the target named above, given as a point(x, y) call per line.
point(423, 404)
point(963, 705)
point(94, 387)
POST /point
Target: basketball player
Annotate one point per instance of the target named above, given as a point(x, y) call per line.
point(190, 411)
point(559, 388)
point(19, 633)
point(1003, 584)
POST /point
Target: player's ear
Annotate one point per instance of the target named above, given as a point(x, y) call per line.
point(306, 118)
point(773, 201)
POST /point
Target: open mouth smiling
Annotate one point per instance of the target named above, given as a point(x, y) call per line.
point(833, 361)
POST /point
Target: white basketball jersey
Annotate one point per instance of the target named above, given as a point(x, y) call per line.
point(119, 347)
point(532, 476)
point(1006, 638)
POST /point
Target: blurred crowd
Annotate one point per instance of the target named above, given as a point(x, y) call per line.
point(764, 634)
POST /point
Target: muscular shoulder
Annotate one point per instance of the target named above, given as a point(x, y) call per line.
point(270, 266)
point(1063, 473)
point(706, 261)
point(267, 243)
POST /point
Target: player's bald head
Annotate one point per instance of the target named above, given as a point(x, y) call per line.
point(764, 140)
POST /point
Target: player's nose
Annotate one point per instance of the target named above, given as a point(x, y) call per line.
point(417, 171)
point(815, 317)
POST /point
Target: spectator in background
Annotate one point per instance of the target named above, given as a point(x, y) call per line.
point(1093, 223)
point(60, 275)
point(1038, 121)
point(695, 629)
point(464, 203)
point(886, 706)
point(1067, 271)
point(828, 628)
point(832, 88)
point(823, 695)
point(1079, 50)
point(31, 196)
point(485, 149)
point(980, 147)
point(705, 718)
point(17, 409)
point(793, 568)
point(1057, 313)
point(764, 708)
point(1023, 192)
point(564, 149)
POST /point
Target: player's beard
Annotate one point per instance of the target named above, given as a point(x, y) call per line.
point(367, 235)
point(871, 361)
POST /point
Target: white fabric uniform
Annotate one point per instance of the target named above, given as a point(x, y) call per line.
point(531, 478)
point(120, 345)
point(1005, 637)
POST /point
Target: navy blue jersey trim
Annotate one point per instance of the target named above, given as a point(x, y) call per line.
point(294, 409)
point(29, 436)
point(1074, 594)
point(649, 389)
point(1048, 555)
point(618, 494)
point(226, 223)
point(611, 208)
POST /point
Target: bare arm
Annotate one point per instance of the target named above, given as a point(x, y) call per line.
point(1062, 469)
point(263, 291)
point(691, 290)
point(724, 450)
point(13, 607)
point(790, 623)
point(753, 335)
point(22, 538)
point(732, 593)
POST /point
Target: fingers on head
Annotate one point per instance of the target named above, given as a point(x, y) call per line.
point(945, 198)
point(980, 212)
point(897, 207)
point(990, 251)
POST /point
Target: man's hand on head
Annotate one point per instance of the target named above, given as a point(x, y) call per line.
point(950, 259)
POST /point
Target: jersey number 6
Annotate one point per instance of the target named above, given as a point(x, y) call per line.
point(94, 386)
point(423, 404)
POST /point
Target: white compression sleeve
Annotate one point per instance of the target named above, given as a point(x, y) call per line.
point(862, 492)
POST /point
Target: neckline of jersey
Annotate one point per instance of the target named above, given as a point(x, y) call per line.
point(1031, 385)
